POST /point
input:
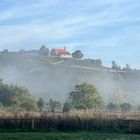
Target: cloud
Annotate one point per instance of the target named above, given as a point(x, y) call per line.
point(32, 9)
point(101, 25)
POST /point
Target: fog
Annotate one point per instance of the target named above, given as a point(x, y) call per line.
point(48, 80)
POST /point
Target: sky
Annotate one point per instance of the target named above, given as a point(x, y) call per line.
point(105, 29)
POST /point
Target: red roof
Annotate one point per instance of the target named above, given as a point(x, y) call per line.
point(60, 51)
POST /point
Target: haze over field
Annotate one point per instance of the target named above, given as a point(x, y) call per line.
point(51, 77)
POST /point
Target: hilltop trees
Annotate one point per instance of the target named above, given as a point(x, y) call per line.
point(86, 96)
point(44, 51)
point(127, 67)
point(115, 66)
point(77, 54)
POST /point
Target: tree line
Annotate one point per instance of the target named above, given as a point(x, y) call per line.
point(84, 97)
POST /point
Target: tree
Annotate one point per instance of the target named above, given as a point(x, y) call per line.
point(127, 67)
point(85, 96)
point(77, 54)
point(66, 107)
point(41, 104)
point(113, 107)
point(114, 65)
point(117, 96)
point(98, 62)
point(21, 98)
point(126, 107)
point(16, 97)
point(44, 51)
point(54, 105)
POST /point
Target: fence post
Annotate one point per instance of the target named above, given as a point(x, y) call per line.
point(130, 125)
point(33, 124)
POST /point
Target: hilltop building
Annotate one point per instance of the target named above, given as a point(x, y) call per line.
point(61, 52)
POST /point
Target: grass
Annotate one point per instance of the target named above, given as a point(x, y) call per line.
point(67, 136)
point(100, 122)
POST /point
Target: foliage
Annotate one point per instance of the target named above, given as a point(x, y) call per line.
point(86, 96)
point(127, 67)
point(97, 62)
point(126, 107)
point(54, 105)
point(77, 54)
point(115, 65)
point(41, 104)
point(66, 107)
point(44, 51)
point(16, 97)
point(113, 107)
point(117, 96)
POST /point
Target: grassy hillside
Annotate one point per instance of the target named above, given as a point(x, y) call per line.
point(53, 77)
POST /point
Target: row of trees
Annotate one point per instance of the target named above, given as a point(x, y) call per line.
point(115, 66)
point(51, 105)
point(83, 97)
point(124, 107)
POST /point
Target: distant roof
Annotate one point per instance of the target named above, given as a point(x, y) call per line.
point(61, 51)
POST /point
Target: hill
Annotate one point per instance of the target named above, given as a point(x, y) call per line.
point(54, 77)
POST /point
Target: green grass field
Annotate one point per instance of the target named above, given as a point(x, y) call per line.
point(68, 136)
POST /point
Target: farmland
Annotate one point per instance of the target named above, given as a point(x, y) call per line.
point(100, 122)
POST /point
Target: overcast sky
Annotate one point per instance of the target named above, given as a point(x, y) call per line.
point(105, 29)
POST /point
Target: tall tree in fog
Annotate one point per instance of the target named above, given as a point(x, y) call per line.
point(126, 107)
point(66, 107)
point(85, 96)
point(54, 105)
point(117, 97)
point(41, 104)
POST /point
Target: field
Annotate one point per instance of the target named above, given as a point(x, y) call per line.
point(67, 136)
point(99, 122)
